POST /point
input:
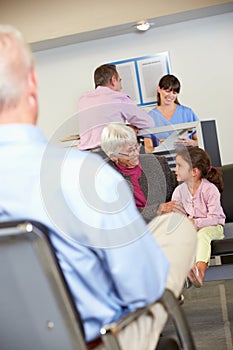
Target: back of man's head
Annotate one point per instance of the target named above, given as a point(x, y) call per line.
point(16, 60)
point(104, 74)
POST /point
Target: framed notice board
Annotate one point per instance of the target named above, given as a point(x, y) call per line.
point(141, 75)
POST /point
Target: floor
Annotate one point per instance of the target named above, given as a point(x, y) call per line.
point(209, 311)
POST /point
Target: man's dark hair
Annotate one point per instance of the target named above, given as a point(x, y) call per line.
point(104, 73)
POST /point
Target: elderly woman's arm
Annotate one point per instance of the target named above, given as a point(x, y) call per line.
point(149, 212)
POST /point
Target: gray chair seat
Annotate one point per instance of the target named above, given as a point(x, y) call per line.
point(37, 309)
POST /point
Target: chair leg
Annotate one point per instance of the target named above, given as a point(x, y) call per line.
point(167, 343)
point(187, 283)
point(171, 304)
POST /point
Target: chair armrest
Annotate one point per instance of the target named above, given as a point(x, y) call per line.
point(170, 303)
point(118, 326)
point(110, 331)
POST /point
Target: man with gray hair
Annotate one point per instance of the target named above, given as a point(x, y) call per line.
point(112, 263)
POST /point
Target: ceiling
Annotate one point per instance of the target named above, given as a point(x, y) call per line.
point(54, 23)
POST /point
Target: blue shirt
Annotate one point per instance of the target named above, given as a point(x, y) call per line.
point(111, 262)
point(181, 115)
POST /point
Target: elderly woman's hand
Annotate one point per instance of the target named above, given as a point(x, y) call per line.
point(172, 206)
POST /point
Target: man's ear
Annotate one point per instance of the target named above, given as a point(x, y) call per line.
point(113, 80)
point(32, 84)
point(32, 92)
point(32, 79)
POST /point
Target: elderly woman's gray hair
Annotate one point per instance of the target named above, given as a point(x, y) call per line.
point(115, 136)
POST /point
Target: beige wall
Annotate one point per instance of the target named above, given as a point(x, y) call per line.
point(201, 56)
point(49, 19)
point(200, 51)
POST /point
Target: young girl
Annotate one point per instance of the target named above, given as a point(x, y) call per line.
point(200, 196)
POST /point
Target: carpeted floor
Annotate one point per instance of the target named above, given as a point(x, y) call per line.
point(209, 311)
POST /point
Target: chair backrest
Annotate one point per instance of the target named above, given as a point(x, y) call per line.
point(36, 310)
point(227, 195)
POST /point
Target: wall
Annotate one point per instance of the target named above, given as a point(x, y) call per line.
point(47, 20)
point(201, 55)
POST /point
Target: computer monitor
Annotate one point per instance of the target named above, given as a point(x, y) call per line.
point(168, 148)
point(206, 134)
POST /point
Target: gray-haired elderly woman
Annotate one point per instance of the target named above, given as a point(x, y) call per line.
point(149, 176)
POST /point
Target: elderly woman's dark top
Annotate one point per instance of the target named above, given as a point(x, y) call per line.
point(157, 183)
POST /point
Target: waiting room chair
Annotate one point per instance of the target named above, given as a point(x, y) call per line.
point(36, 308)
point(222, 250)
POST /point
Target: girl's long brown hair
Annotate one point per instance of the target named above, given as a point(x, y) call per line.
point(198, 158)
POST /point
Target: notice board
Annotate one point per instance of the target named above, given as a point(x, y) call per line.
point(140, 76)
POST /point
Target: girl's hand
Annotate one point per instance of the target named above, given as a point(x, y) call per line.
point(191, 219)
point(172, 206)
